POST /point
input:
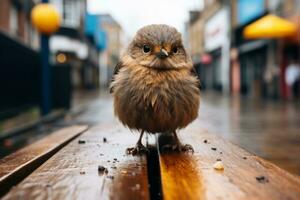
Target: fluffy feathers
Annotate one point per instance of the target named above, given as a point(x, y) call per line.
point(154, 94)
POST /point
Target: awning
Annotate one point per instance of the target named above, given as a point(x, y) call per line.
point(270, 26)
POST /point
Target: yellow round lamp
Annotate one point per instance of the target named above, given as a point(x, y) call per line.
point(270, 26)
point(45, 18)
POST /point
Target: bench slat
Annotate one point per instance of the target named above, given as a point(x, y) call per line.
point(16, 166)
point(72, 173)
point(187, 176)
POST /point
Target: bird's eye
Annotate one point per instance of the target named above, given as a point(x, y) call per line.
point(146, 48)
point(175, 50)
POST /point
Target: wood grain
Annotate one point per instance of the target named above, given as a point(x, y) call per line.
point(18, 165)
point(191, 176)
point(72, 173)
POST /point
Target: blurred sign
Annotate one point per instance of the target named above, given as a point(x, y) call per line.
point(101, 39)
point(93, 28)
point(216, 30)
point(91, 24)
point(206, 59)
point(249, 9)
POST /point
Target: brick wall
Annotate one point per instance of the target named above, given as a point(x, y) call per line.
point(4, 15)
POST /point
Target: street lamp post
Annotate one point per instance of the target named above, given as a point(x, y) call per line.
point(47, 20)
point(45, 76)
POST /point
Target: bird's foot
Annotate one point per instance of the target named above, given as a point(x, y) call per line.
point(187, 148)
point(139, 149)
point(177, 147)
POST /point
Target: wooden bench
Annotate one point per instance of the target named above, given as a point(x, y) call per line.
point(72, 173)
point(15, 167)
point(95, 166)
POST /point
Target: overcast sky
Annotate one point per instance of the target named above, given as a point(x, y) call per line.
point(134, 14)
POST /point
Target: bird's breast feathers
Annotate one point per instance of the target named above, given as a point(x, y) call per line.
point(155, 100)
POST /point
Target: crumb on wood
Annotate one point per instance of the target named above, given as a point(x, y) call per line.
point(218, 165)
point(262, 179)
point(102, 169)
point(81, 141)
point(245, 158)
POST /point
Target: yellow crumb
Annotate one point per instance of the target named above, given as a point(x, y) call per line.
point(219, 165)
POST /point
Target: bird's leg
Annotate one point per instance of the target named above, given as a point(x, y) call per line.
point(139, 147)
point(181, 148)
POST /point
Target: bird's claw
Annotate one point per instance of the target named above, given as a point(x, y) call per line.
point(177, 147)
point(139, 149)
point(187, 148)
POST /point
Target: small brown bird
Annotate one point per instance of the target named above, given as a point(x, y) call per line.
point(155, 87)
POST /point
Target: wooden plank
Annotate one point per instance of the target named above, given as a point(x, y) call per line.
point(15, 167)
point(192, 176)
point(72, 173)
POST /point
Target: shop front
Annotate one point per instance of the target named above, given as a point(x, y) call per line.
point(253, 61)
point(217, 43)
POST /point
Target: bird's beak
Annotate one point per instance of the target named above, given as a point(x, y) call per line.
point(162, 54)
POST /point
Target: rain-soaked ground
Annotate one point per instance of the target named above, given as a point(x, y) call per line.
point(269, 129)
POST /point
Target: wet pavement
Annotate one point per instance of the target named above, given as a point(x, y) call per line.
point(269, 129)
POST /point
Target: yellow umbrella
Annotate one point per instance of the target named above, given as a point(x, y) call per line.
point(270, 26)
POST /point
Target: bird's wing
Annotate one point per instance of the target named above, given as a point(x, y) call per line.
point(194, 73)
point(116, 71)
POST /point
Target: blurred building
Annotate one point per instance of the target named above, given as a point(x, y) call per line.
point(15, 21)
point(226, 61)
point(74, 60)
point(261, 63)
point(19, 65)
point(195, 35)
point(106, 33)
point(209, 43)
point(289, 48)
point(250, 60)
point(69, 45)
point(110, 56)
